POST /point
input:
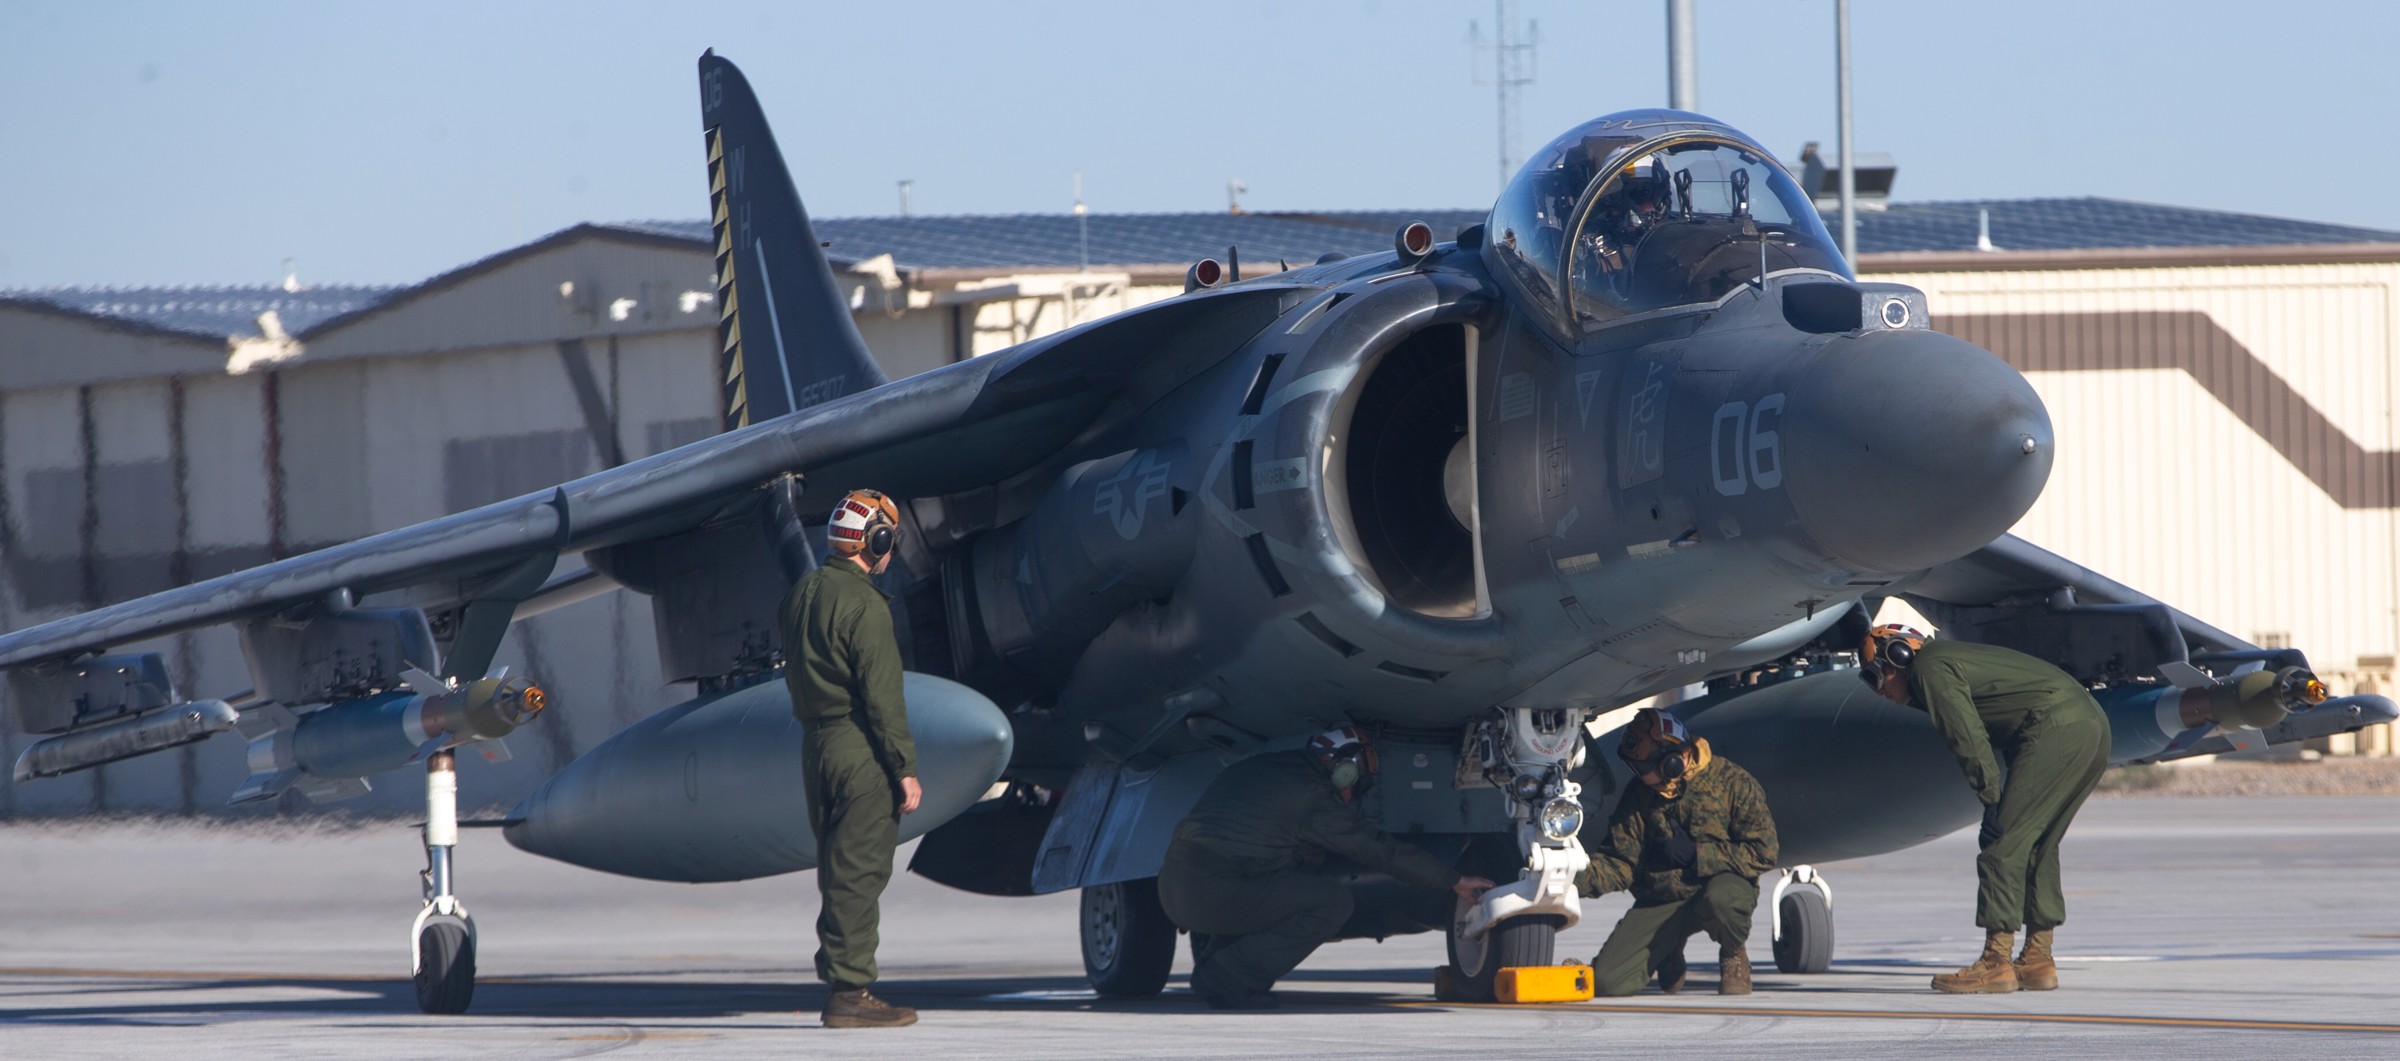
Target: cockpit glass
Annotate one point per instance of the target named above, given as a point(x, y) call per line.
point(1664, 209)
point(1527, 232)
point(1686, 223)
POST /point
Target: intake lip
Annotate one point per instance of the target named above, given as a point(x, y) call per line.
point(1907, 449)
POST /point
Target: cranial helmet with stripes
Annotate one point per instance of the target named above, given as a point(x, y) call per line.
point(1345, 755)
point(865, 524)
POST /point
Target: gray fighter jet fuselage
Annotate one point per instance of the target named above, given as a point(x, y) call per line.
point(1640, 429)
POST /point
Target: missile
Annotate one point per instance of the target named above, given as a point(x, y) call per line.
point(168, 727)
point(327, 749)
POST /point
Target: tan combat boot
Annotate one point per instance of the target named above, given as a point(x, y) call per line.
point(1992, 973)
point(858, 1009)
point(2036, 969)
point(1733, 971)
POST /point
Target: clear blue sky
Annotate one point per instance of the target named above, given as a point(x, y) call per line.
point(145, 143)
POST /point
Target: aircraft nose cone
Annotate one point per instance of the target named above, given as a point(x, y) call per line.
point(1907, 449)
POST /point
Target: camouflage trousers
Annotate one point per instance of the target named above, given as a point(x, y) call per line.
point(1649, 935)
point(854, 813)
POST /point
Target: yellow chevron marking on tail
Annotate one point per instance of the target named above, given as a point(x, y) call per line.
point(729, 322)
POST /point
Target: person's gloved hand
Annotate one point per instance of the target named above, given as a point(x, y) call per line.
point(1677, 848)
point(1990, 833)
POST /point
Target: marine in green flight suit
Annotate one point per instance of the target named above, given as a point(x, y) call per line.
point(1241, 872)
point(1995, 705)
point(1689, 839)
point(859, 764)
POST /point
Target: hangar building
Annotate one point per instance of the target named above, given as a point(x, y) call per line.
point(2222, 386)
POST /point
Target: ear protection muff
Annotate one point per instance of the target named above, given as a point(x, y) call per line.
point(865, 524)
point(1345, 772)
point(1670, 762)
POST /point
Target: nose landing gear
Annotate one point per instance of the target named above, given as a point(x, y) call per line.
point(1527, 753)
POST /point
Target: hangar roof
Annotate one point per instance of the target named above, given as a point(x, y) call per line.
point(1002, 242)
point(1051, 241)
point(216, 311)
point(2088, 223)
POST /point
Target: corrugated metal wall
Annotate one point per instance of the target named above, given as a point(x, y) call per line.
point(130, 462)
point(2225, 436)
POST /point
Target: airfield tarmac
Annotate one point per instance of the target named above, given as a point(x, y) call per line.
point(2202, 928)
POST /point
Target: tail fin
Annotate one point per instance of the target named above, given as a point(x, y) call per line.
point(797, 346)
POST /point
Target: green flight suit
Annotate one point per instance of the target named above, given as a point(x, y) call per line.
point(1241, 869)
point(1992, 703)
point(1724, 811)
point(842, 664)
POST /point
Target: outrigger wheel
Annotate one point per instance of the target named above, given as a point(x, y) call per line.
point(1527, 939)
point(1802, 925)
point(1128, 942)
point(442, 938)
point(445, 965)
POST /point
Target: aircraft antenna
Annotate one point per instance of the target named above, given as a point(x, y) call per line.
point(1514, 64)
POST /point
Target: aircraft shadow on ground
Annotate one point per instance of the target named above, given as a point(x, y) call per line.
point(667, 996)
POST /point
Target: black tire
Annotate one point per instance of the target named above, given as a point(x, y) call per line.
point(1807, 943)
point(1529, 939)
point(445, 966)
point(1128, 942)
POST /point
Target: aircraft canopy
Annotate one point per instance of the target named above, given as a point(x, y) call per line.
point(1665, 208)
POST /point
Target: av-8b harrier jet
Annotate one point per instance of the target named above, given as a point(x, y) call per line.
point(1639, 430)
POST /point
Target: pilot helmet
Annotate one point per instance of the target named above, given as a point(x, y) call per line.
point(865, 524)
point(1345, 755)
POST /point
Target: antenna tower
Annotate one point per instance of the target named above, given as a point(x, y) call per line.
point(1513, 62)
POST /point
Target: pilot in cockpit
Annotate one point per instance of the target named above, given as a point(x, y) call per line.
point(1623, 216)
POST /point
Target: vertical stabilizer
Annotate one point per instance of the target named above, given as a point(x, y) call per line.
point(785, 339)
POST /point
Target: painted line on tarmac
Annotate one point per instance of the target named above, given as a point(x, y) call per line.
point(1885, 1014)
point(240, 977)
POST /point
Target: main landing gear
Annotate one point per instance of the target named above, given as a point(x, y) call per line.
point(1800, 918)
point(442, 941)
point(1128, 942)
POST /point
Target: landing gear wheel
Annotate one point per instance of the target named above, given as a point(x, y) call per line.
point(1528, 939)
point(445, 966)
point(1806, 942)
point(1128, 942)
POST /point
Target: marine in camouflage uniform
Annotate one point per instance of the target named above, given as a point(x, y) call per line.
point(858, 766)
point(1994, 704)
point(1690, 848)
point(1242, 872)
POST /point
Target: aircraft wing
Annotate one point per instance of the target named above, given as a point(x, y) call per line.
point(2015, 573)
point(2136, 649)
point(957, 427)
